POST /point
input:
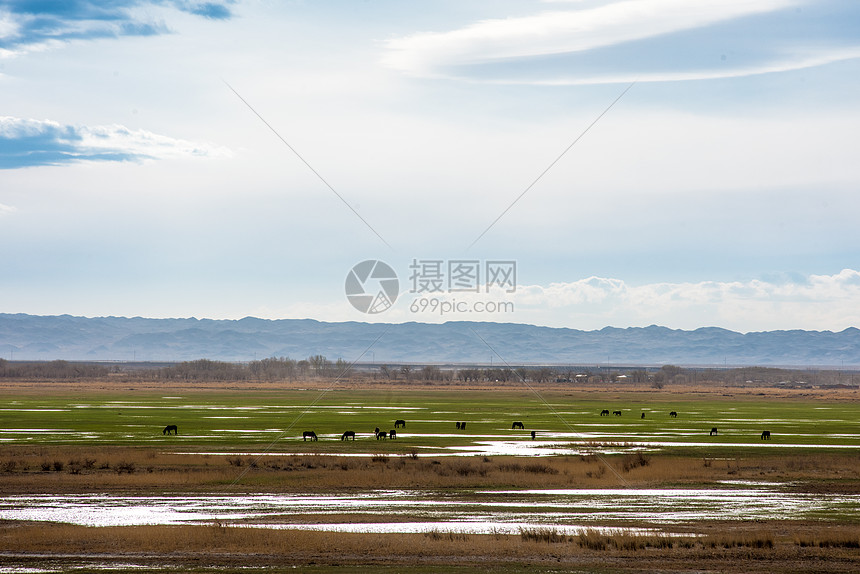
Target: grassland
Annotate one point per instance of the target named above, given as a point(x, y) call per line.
point(106, 436)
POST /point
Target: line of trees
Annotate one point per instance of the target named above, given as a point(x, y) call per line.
point(271, 369)
point(286, 369)
point(51, 370)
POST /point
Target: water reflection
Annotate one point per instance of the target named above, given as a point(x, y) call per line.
point(483, 511)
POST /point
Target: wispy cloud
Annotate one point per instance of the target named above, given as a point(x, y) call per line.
point(30, 26)
point(618, 41)
point(28, 142)
point(6, 209)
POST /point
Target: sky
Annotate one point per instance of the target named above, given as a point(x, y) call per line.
point(567, 163)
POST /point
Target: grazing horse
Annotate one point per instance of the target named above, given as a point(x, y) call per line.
point(348, 434)
point(381, 434)
point(399, 423)
point(673, 414)
point(616, 413)
point(713, 431)
point(309, 434)
point(169, 428)
point(604, 413)
point(533, 435)
point(517, 425)
point(765, 435)
point(392, 433)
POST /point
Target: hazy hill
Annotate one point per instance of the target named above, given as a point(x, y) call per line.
point(120, 338)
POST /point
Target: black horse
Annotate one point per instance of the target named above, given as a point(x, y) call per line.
point(458, 425)
point(381, 434)
point(673, 414)
point(392, 433)
point(309, 434)
point(169, 428)
point(533, 435)
point(616, 413)
point(399, 423)
point(713, 431)
point(348, 434)
point(517, 425)
point(765, 435)
point(604, 413)
point(643, 415)
point(463, 426)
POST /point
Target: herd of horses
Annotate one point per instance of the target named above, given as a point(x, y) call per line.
point(765, 435)
point(400, 423)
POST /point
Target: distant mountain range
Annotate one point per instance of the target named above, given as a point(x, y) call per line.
point(32, 337)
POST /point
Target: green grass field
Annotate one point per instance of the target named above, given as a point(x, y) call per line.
point(275, 420)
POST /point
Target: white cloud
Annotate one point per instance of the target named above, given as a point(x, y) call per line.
point(827, 302)
point(460, 53)
point(29, 142)
point(557, 32)
point(786, 64)
point(6, 209)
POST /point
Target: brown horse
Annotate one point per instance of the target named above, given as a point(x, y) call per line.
point(169, 428)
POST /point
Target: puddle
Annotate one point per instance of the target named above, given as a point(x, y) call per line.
point(481, 527)
point(483, 511)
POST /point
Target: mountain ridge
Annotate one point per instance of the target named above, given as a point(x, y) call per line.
point(48, 337)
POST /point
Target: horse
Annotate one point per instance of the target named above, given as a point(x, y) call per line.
point(381, 434)
point(533, 435)
point(765, 435)
point(392, 433)
point(458, 426)
point(309, 434)
point(517, 425)
point(347, 435)
point(616, 413)
point(643, 415)
point(399, 423)
point(673, 414)
point(463, 426)
point(713, 431)
point(169, 428)
point(604, 413)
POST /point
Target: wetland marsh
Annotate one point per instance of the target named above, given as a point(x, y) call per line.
point(94, 460)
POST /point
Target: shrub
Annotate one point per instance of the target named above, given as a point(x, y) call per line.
point(548, 535)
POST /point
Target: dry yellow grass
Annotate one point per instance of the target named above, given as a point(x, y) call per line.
point(101, 469)
point(742, 551)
